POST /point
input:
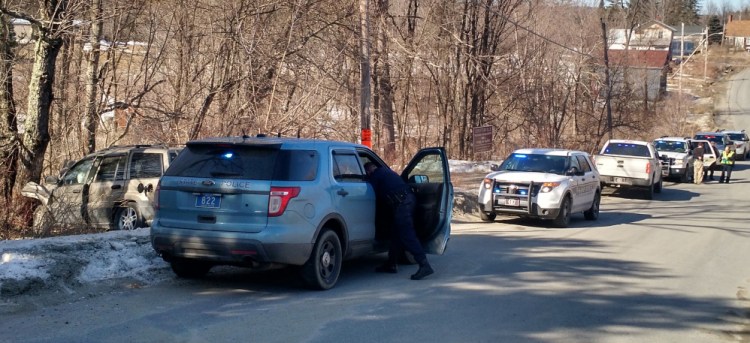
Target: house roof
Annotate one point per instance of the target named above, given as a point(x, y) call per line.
point(639, 58)
point(737, 28)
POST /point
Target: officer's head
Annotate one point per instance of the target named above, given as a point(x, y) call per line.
point(370, 167)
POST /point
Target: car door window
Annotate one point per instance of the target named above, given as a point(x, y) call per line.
point(346, 167)
point(78, 173)
point(584, 165)
point(145, 165)
point(111, 168)
point(429, 169)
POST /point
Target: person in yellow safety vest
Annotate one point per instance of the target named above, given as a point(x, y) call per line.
point(727, 164)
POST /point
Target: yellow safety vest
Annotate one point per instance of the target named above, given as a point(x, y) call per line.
point(726, 158)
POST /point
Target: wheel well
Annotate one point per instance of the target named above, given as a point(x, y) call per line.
point(338, 228)
point(118, 205)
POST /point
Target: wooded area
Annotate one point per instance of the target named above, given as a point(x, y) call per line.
point(97, 73)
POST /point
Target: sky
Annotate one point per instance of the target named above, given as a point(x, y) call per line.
point(30, 265)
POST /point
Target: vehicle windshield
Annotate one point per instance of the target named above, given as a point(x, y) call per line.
point(672, 146)
point(535, 163)
point(736, 136)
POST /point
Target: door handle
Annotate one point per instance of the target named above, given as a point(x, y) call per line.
point(116, 186)
point(77, 191)
point(342, 192)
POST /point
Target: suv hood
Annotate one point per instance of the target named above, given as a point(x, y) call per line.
point(526, 177)
point(36, 191)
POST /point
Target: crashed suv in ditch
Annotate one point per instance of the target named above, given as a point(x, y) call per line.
point(111, 189)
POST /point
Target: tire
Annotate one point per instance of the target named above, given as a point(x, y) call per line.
point(658, 187)
point(322, 270)
point(487, 216)
point(188, 269)
point(649, 195)
point(563, 218)
point(128, 218)
point(593, 212)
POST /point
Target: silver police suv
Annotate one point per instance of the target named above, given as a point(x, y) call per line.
point(109, 189)
point(266, 201)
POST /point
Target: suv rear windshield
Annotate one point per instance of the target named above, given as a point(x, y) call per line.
point(245, 162)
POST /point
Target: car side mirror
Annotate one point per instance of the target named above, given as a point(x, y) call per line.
point(51, 179)
point(419, 179)
point(573, 171)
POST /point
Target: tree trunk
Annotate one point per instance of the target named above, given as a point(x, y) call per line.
point(8, 123)
point(385, 88)
point(92, 77)
point(36, 136)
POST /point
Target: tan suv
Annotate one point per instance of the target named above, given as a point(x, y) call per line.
point(109, 189)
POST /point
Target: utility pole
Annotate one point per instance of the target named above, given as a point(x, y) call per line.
point(364, 96)
point(608, 96)
point(705, 56)
point(682, 58)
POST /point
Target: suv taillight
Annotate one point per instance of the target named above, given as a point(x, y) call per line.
point(156, 196)
point(648, 167)
point(278, 199)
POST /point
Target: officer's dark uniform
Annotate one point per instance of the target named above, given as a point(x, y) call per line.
point(392, 190)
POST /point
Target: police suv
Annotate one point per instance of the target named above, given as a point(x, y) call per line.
point(676, 156)
point(542, 183)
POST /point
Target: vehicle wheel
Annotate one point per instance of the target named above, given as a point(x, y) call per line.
point(322, 270)
point(188, 269)
point(685, 177)
point(649, 195)
point(128, 218)
point(593, 212)
point(487, 216)
point(658, 187)
point(42, 222)
point(563, 218)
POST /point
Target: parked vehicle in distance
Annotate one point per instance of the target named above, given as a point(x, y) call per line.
point(264, 201)
point(711, 154)
point(542, 183)
point(718, 139)
point(741, 143)
point(630, 164)
point(109, 189)
point(676, 156)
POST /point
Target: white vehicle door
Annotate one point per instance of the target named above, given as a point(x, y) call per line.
point(576, 181)
point(588, 182)
point(106, 189)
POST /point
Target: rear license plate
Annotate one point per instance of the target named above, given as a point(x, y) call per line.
point(208, 201)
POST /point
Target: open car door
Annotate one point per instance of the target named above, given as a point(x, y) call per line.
point(428, 174)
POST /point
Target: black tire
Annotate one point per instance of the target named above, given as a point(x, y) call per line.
point(128, 218)
point(188, 269)
point(563, 218)
point(322, 270)
point(649, 195)
point(487, 217)
point(593, 212)
point(659, 186)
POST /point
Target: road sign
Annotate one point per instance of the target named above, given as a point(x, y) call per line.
point(482, 138)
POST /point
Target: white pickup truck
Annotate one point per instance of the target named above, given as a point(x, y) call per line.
point(630, 164)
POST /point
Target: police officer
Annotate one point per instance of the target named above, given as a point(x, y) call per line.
point(698, 164)
point(391, 189)
point(727, 164)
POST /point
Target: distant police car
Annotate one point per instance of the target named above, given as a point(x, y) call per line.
point(741, 143)
point(676, 156)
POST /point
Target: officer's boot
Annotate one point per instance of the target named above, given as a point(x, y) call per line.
point(424, 270)
point(390, 266)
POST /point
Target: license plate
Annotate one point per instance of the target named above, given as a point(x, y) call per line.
point(512, 202)
point(208, 201)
